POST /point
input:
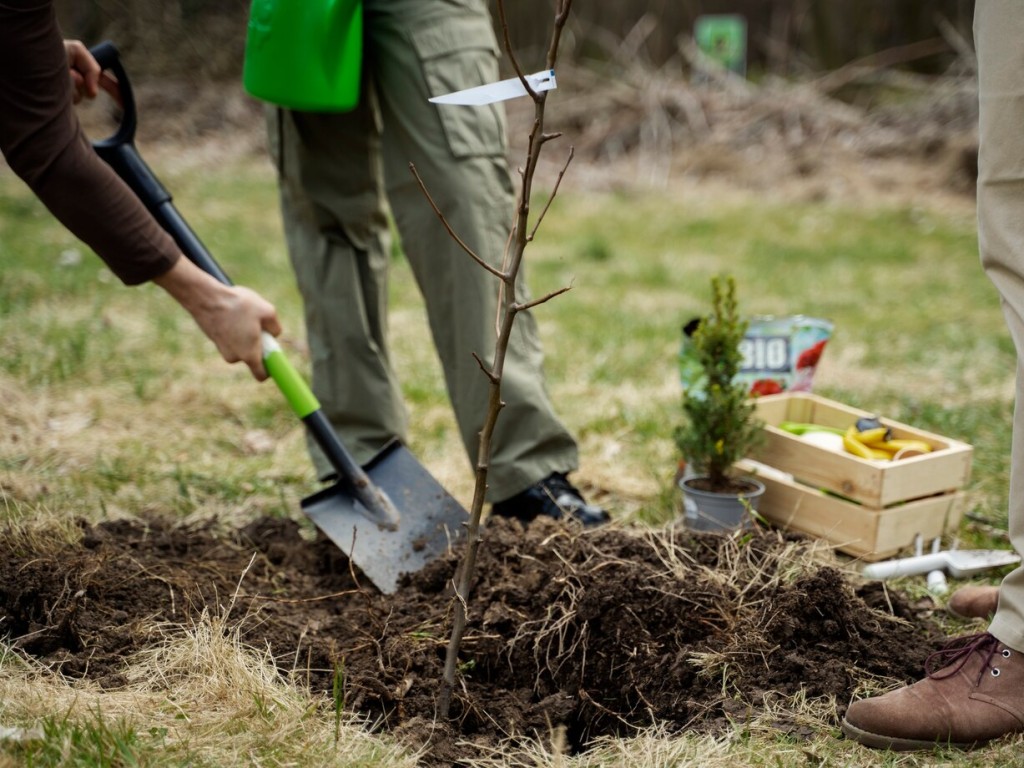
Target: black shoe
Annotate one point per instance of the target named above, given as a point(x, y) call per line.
point(554, 496)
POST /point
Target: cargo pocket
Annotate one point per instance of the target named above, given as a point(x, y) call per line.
point(455, 56)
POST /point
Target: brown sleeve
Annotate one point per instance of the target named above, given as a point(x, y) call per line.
point(43, 143)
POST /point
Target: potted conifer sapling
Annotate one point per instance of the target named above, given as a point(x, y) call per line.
point(719, 427)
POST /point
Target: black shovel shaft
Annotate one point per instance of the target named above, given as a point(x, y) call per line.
point(132, 169)
point(119, 152)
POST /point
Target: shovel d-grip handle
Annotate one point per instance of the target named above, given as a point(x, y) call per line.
point(119, 152)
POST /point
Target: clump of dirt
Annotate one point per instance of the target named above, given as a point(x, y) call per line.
point(599, 632)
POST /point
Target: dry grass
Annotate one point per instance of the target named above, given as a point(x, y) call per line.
point(649, 748)
point(212, 699)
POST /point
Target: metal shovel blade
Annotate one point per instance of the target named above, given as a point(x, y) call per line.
point(963, 563)
point(430, 523)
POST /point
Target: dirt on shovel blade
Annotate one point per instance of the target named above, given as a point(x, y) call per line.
point(599, 632)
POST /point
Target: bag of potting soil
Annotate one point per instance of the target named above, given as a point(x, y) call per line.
point(780, 354)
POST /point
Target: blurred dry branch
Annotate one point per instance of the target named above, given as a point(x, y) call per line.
point(786, 37)
point(631, 109)
point(633, 88)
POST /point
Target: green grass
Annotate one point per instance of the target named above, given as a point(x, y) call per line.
point(97, 744)
point(919, 336)
point(113, 403)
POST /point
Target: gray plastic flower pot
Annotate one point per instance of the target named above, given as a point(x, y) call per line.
point(711, 511)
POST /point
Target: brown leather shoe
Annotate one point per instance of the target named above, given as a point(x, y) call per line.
point(978, 696)
point(974, 602)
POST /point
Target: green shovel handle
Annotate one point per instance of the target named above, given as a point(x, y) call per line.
point(305, 405)
point(294, 388)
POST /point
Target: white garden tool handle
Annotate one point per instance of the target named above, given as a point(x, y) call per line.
point(906, 566)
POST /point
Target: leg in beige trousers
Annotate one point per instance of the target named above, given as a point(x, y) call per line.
point(999, 33)
point(978, 695)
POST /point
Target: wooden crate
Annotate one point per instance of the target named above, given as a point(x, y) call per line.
point(874, 483)
point(869, 533)
point(885, 505)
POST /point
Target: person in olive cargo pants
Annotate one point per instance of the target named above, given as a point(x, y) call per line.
point(339, 172)
point(975, 693)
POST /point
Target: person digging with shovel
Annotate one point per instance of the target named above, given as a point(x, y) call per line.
point(339, 171)
point(974, 689)
point(41, 78)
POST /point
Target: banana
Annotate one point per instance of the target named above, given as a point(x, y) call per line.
point(872, 436)
point(881, 450)
point(900, 444)
point(872, 443)
point(855, 446)
point(917, 445)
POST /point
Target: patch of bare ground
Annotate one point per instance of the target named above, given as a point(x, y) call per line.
point(600, 633)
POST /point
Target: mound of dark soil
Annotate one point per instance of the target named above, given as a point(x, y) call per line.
point(600, 632)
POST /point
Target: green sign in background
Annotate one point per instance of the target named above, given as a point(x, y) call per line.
point(724, 39)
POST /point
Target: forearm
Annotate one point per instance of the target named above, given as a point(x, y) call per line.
point(232, 316)
point(88, 198)
point(43, 143)
point(196, 291)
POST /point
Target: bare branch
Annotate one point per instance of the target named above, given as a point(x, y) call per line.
point(447, 226)
point(902, 54)
point(964, 49)
point(551, 199)
point(541, 300)
point(508, 309)
point(561, 16)
point(483, 367)
point(507, 41)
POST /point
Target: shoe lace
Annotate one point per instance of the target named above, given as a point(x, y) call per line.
point(949, 660)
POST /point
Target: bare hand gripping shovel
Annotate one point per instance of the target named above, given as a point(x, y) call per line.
point(391, 516)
